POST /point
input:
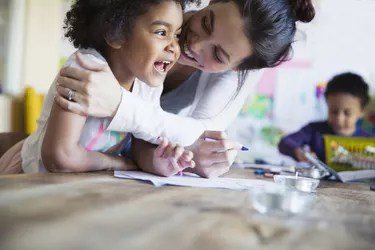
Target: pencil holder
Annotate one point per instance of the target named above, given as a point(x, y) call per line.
point(349, 153)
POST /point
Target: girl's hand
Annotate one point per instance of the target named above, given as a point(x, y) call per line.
point(96, 92)
point(213, 157)
point(170, 159)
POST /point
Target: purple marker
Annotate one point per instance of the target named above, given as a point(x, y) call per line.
point(242, 149)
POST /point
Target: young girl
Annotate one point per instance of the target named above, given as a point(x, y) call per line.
point(347, 97)
point(139, 42)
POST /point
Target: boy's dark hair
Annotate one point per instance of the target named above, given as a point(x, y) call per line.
point(90, 23)
point(349, 83)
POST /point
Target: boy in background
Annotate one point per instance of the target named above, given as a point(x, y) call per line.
point(347, 97)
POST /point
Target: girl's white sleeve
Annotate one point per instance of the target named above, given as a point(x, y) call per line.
point(214, 108)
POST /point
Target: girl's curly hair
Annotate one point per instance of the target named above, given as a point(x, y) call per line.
point(90, 23)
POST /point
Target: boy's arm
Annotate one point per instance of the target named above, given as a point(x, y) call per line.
point(62, 152)
point(292, 145)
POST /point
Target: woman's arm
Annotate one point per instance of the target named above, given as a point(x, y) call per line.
point(62, 152)
point(216, 108)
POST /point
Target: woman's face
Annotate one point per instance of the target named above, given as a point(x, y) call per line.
point(213, 38)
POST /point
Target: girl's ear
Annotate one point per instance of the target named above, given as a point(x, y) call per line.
point(115, 44)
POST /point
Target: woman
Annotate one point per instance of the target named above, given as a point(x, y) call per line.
point(228, 34)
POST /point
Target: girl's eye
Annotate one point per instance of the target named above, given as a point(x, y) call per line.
point(177, 36)
point(161, 33)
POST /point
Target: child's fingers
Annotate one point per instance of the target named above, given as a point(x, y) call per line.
point(159, 151)
point(187, 155)
point(169, 150)
point(186, 164)
point(178, 162)
point(177, 152)
point(175, 164)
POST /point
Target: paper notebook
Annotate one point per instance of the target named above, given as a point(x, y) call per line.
point(189, 180)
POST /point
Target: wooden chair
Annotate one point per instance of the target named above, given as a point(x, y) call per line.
point(8, 140)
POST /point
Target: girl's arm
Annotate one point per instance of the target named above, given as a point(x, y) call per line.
point(62, 152)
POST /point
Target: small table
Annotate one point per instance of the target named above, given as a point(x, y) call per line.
point(98, 211)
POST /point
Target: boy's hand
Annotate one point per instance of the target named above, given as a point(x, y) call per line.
point(300, 155)
point(169, 158)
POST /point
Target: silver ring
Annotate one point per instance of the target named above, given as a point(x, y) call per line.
point(70, 95)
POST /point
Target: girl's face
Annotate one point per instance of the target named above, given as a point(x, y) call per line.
point(344, 110)
point(153, 47)
point(213, 38)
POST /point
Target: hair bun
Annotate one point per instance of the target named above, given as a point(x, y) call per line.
point(303, 10)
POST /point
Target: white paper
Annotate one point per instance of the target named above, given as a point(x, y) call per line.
point(346, 176)
point(194, 181)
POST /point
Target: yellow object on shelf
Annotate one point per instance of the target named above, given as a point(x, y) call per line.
point(33, 107)
point(349, 153)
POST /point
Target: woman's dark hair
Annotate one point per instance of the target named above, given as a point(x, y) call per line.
point(270, 26)
point(90, 23)
point(349, 83)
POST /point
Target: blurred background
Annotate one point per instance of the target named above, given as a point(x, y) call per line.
point(341, 38)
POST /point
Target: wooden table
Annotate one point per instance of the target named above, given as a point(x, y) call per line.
point(97, 211)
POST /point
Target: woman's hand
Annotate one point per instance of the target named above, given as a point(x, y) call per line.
point(213, 157)
point(96, 92)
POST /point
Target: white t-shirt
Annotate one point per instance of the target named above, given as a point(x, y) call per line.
point(94, 136)
point(214, 106)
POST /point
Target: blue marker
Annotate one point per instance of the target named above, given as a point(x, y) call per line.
point(242, 149)
point(259, 172)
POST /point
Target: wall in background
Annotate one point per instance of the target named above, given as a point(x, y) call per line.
point(42, 43)
point(3, 29)
point(32, 41)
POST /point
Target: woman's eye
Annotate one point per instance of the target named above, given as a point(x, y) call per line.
point(161, 33)
point(216, 57)
point(204, 25)
point(177, 36)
